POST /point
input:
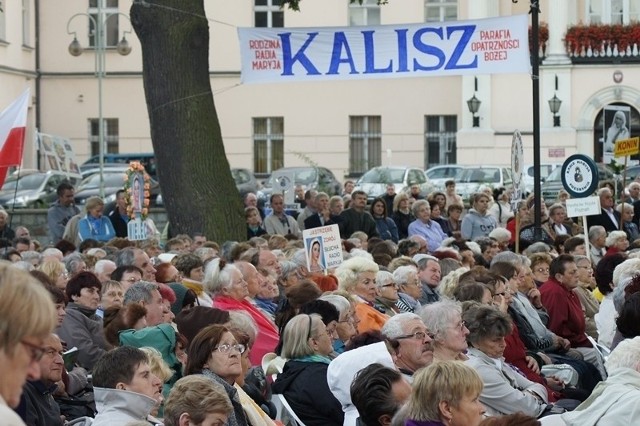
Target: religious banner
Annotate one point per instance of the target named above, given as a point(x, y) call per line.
point(484, 46)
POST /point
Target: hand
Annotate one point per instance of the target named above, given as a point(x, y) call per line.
point(533, 364)
point(500, 302)
point(554, 383)
point(566, 345)
point(534, 297)
point(545, 359)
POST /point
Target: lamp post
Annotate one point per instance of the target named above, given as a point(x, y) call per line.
point(554, 106)
point(75, 49)
point(474, 104)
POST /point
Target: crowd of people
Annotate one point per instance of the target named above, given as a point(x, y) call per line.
point(432, 318)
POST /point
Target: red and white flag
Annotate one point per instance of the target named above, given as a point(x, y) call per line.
point(13, 126)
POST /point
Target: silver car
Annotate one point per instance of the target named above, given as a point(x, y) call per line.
point(374, 182)
point(472, 178)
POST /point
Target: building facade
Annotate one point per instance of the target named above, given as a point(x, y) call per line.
point(347, 126)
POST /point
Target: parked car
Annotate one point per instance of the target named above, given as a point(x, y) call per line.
point(113, 182)
point(318, 178)
point(471, 178)
point(374, 182)
point(438, 175)
point(553, 184)
point(31, 189)
point(245, 181)
point(148, 160)
point(545, 171)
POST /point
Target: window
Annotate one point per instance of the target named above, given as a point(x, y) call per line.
point(268, 14)
point(110, 136)
point(109, 9)
point(613, 11)
point(440, 10)
point(365, 143)
point(268, 144)
point(440, 140)
point(26, 22)
point(367, 13)
point(3, 35)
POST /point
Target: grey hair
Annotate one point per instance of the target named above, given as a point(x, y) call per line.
point(95, 251)
point(299, 258)
point(339, 302)
point(603, 190)
point(614, 237)
point(287, 267)
point(500, 234)
point(625, 271)
point(393, 328)
point(24, 265)
point(72, 261)
point(625, 355)
point(4, 213)
point(29, 255)
point(554, 207)
point(401, 274)
point(142, 291)
point(627, 206)
point(596, 231)
point(101, 264)
point(215, 279)
point(440, 316)
point(538, 247)
point(416, 206)
point(383, 278)
point(52, 251)
point(243, 322)
point(125, 257)
point(581, 258)
point(204, 252)
point(507, 257)
point(347, 273)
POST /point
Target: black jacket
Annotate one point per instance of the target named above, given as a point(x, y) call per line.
point(119, 225)
point(313, 221)
point(604, 220)
point(37, 406)
point(304, 386)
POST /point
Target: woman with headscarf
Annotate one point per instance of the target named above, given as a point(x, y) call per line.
point(617, 131)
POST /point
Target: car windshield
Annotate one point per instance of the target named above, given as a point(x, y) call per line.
point(484, 175)
point(383, 175)
point(302, 176)
point(555, 175)
point(111, 180)
point(28, 182)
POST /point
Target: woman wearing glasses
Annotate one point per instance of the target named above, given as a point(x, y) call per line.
point(307, 344)
point(444, 320)
point(216, 354)
point(387, 291)
point(22, 334)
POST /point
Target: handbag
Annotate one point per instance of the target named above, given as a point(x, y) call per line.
point(566, 373)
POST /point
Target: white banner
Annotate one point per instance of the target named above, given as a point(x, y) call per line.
point(484, 46)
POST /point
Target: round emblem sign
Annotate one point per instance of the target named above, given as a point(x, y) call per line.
point(579, 176)
point(284, 183)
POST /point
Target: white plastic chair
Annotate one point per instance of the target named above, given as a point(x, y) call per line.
point(285, 413)
point(602, 350)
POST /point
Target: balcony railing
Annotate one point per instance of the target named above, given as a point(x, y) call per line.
point(603, 44)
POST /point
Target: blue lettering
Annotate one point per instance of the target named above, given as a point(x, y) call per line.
point(402, 50)
point(369, 55)
point(340, 42)
point(467, 32)
point(428, 49)
point(289, 60)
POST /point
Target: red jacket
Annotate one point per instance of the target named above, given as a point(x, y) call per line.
point(267, 338)
point(566, 318)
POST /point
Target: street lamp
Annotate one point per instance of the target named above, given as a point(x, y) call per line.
point(554, 106)
point(75, 49)
point(474, 107)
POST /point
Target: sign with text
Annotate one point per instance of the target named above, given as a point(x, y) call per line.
point(323, 247)
point(485, 46)
point(556, 153)
point(626, 147)
point(587, 206)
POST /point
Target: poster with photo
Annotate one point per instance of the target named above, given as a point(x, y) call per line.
point(58, 155)
point(615, 128)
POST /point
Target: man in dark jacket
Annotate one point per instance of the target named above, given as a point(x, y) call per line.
point(37, 406)
point(355, 218)
point(118, 216)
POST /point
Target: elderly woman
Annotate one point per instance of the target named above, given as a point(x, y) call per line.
point(357, 276)
point(387, 291)
point(215, 354)
point(56, 271)
point(402, 215)
point(288, 276)
point(505, 391)
point(409, 288)
point(444, 320)
point(616, 242)
point(586, 283)
point(303, 382)
point(346, 327)
point(478, 222)
point(81, 326)
point(23, 331)
point(445, 394)
point(425, 227)
point(94, 225)
point(229, 290)
point(540, 267)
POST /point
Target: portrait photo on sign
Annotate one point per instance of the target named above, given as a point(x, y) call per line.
point(615, 126)
point(137, 191)
point(315, 254)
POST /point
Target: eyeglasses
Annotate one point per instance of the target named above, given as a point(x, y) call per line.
point(227, 348)
point(418, 335)
point(37, 352)
point(500, 294)
point(461, 326)
point(349, 318)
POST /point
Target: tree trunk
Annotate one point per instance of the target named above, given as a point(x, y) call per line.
point(197, 187)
